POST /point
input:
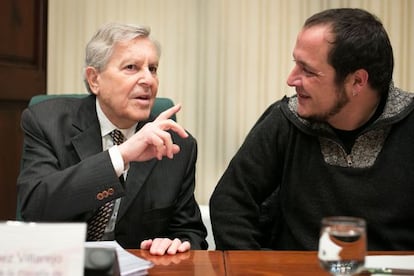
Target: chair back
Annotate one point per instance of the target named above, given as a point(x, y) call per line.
point(159, 106)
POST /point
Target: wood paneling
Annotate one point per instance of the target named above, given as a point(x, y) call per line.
point(23, 25)
point(22, 48)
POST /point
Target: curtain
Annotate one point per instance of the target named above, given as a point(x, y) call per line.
point(224, 60)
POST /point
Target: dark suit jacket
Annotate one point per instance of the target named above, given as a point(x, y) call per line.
point(65, 172)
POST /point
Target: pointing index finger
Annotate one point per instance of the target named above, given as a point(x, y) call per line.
point(169, 112)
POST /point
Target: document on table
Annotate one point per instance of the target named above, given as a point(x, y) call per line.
point(129, 264)
point(390, 264)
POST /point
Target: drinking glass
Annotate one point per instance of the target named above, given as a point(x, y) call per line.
point(342, 245)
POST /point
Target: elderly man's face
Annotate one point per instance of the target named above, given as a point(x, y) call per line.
point(126, 88)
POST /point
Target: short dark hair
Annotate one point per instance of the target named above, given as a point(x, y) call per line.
point(359, 42)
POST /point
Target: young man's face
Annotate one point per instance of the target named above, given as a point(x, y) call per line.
point(319, 98)
point(126, 88)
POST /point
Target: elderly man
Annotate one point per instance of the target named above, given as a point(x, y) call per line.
point(104, 161)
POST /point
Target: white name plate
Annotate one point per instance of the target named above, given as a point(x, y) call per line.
point(42, 249)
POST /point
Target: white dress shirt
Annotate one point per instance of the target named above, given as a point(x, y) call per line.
point(117, 161)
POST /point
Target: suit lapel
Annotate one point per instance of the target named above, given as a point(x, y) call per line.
point(88, 142)
point(138, 174)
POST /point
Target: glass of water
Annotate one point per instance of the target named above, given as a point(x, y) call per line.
point(342, 245)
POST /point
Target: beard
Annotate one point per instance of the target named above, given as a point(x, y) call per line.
point(341, 100)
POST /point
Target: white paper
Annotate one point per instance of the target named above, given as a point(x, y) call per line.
point(42, 248)
point(129, 264)
point(390, 261)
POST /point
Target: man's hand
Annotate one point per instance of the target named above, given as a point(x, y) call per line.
point(153, 140)
point(165, 259)
point(160, 246)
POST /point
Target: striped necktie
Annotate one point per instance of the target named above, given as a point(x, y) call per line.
point(98, 222)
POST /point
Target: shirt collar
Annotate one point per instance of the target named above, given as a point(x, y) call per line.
point(107, 126)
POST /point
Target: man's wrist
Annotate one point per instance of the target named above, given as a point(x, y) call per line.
point(117, 160)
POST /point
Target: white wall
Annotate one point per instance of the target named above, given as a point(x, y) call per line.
point(224, 60)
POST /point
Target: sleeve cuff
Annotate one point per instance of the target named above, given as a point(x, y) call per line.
point(117, 160)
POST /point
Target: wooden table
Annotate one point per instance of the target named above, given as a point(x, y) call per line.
point(272, 263)
point(278, 263)
point(194, 262)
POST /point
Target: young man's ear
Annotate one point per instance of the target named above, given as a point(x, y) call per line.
point(360, 79)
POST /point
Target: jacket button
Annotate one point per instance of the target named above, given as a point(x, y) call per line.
point(111, 191)
point(99, 196)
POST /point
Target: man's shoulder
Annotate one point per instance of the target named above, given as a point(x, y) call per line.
point(399, 103)
point(61, 112)
point(276, 112)
point(59, 104)
point(190, 141)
